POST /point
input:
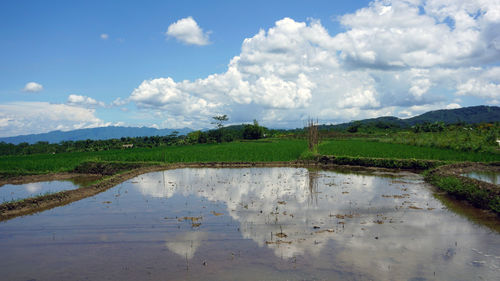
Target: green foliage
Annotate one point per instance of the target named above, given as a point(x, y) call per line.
point(90, 145)
point(354, 127)
point(194, 137)
point(364, 148)
point(219, 120)
point(309, 155)
point(253, 131)
point(414, 164)
point(491, 137)
point(461, 137)
point(428, 127)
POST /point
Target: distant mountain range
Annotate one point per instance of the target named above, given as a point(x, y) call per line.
point(101, 133)
point(468, 115)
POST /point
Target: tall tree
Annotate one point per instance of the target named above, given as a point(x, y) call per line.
point(219, 120)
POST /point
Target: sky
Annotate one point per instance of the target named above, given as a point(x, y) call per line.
point(68, 65)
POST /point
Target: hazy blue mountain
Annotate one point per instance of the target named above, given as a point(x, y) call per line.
point(469, 115)
point(101, 133)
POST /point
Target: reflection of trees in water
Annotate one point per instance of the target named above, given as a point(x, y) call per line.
point(313, 188)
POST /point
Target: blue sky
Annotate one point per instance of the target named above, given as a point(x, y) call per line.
point(77, 64)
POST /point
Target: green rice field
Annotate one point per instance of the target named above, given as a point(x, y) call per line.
point(255, 151)
point(267, 151)
point(363, 148)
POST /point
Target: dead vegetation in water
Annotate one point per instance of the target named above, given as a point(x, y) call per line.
point(281, 235)
point(278, 242)
point(396, 196)
point(192, 219)
point(344, 216)
point(329, 230)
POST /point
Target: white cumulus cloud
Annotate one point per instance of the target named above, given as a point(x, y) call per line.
point(84, 101)
point(394, 57)
point(19, 118)
point(481, 83)
point(32, 87)
point(187, 31)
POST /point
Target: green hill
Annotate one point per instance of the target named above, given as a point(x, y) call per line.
point(467, 115)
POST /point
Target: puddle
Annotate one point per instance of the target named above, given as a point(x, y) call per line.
point(255, 224)
point(12, 192)
point(486, 176)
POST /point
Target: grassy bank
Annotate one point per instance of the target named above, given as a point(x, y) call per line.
point(481, 197)
point(410, 164)
point(373, 149)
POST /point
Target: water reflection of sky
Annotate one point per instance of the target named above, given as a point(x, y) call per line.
point(279, 223)
point(490, 177)
point(372, 222)
point(11, 192)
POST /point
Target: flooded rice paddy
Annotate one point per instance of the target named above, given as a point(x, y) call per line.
point(253, 224)
point(486, 176)
point(13, 192)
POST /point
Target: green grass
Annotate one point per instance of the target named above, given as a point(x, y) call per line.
point(363, 148)
point(461, 139)
point(255, 151)
point(266, 151)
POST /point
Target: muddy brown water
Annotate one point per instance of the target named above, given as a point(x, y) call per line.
point(13, 192)
point(486, 176)
point(253, 224)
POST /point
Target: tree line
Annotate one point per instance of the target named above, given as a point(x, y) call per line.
point(221, 134)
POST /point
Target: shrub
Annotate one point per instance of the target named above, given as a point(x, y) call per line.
point(253, 131)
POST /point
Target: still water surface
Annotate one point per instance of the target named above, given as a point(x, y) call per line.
point(490, 177)
point(253, 224)
point(13, 192)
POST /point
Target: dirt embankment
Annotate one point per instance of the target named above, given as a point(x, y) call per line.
point(457, 170)
point(407, 164)
point(481, 194)
point(39, 178)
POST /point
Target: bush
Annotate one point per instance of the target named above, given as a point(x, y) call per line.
point(253, 131)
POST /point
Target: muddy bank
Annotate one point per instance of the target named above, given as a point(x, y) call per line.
point(457, 171)
point(407, 164)
point(479, 193)
point(45, 177)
